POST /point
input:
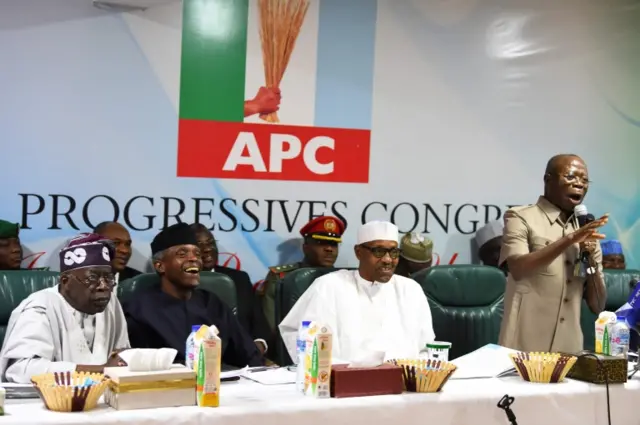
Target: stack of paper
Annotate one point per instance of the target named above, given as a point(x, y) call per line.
point(490, 361)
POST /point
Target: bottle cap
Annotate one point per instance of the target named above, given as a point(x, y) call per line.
point(195, 328)
point(306, 323)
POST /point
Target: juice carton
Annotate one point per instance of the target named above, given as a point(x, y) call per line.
point(604, 323)
point(197, 340)
point(317, 377)
point(208, 369)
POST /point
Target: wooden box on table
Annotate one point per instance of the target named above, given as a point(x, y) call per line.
point(360, 382)
point(148, 390)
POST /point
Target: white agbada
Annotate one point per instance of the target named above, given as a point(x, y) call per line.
point(45, 334)
point(392, 317)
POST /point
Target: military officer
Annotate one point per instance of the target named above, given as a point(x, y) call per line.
point(322, 237)
point(10, 248)
point(547, 281)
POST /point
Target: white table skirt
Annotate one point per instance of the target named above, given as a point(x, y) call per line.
point(464, 402)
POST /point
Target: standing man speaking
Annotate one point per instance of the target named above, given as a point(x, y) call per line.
point(553, 264)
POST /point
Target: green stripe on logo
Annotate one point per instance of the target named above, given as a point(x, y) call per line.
point(214, 56)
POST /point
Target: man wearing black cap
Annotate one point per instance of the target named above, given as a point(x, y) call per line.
point(250, 314)
point(163, 316)
point(322, 237)
point(75, 325)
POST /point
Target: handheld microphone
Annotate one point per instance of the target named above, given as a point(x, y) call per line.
point(584, 218)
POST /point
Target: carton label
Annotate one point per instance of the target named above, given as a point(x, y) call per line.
point(318, 361)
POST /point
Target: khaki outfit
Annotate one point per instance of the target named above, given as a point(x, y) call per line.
point(542, 310)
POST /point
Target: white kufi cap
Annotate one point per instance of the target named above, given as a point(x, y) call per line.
point(491, 230)
point(377, 231)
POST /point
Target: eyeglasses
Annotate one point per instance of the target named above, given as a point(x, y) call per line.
point(380, 252)
point(571, 178)
point(93, 281)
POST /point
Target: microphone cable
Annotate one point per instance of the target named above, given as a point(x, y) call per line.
point(592, 265)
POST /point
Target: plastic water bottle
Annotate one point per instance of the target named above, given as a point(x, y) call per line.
point(620, 335)
point(189, 352)
point(301, 343)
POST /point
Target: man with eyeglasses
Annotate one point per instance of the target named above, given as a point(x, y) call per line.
point(547, 280)
point(370, 309)
point(76, 325)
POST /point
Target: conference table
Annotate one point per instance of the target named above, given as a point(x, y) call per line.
point(467, 401)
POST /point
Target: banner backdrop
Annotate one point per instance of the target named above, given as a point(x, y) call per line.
point(435, 115)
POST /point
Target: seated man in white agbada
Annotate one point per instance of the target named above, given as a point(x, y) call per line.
point(75, 325)
point(370, 309)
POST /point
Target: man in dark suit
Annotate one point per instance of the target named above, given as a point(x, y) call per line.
point(117, 233)
point(250, 313)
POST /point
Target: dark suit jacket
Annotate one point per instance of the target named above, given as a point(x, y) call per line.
point(128, 273)
point(250, 313)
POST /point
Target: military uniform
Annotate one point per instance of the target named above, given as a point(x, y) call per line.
point(324, 228)
point(542, 310)
point(10, 249)
point(268, 290)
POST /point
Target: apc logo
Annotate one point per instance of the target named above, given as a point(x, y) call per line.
point(232, 127)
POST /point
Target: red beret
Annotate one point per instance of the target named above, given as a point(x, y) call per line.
point(326, 228)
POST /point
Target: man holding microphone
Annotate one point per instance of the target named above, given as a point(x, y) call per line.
point(553, 264)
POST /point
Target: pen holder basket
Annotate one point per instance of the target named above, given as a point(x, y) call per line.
point(424, 376)
point(70, 391)
point(542, 367)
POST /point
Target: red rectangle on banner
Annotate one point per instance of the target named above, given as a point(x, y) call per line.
point(231, 150)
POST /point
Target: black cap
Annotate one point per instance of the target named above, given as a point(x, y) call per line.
point(177, 234)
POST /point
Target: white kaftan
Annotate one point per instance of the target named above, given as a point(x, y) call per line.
point(392, 317)
point(45, 334)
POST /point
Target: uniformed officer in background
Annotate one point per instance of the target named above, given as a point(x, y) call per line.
point(322, 237)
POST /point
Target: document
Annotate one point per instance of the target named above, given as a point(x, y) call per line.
point(490, 361)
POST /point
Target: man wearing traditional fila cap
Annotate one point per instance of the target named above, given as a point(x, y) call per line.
point(10, 249)
point(489, 241)
point(369, 309)
point(612, 256)
point(416, 253)
point(322, 237)
point(75, 325)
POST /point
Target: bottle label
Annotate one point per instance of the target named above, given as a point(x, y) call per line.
point(301, 345)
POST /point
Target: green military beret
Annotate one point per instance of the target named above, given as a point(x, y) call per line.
point(8, 229)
